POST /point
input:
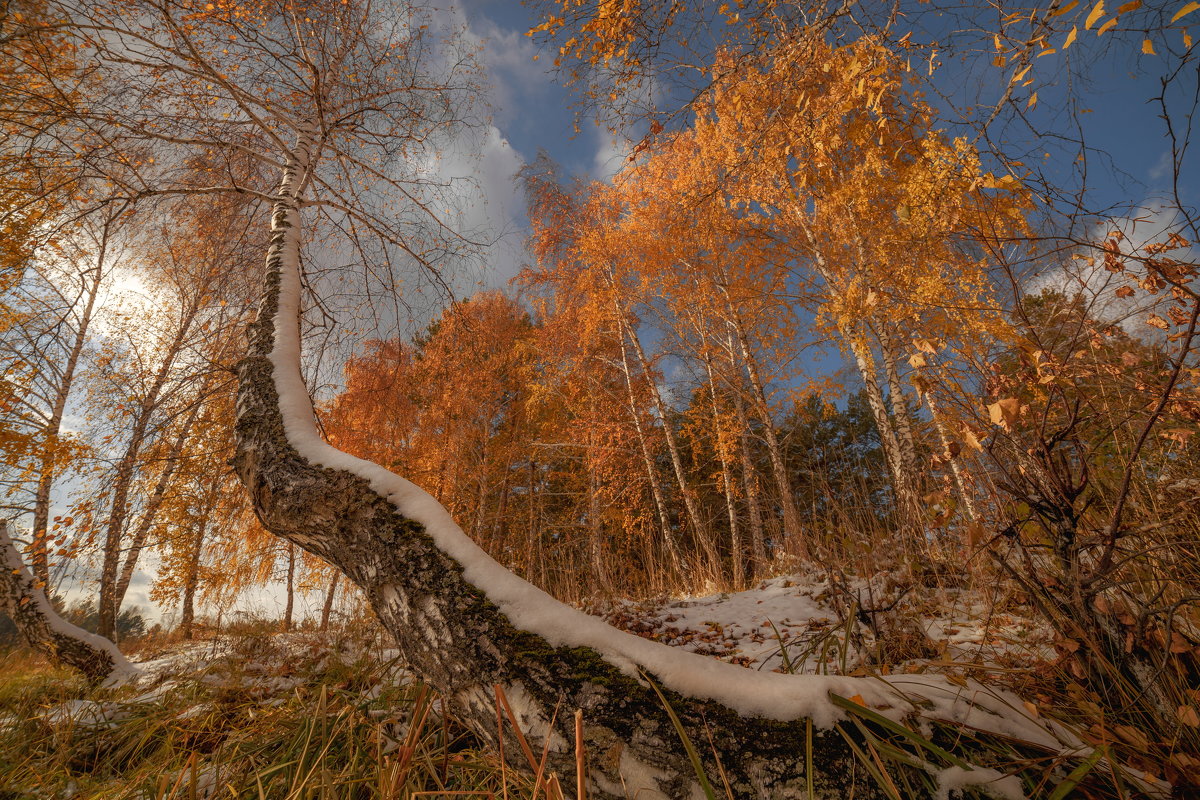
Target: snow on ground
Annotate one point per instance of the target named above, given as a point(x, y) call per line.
point(820, 622)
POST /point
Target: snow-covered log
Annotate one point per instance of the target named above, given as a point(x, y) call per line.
point(26, 603)
point(466, 625)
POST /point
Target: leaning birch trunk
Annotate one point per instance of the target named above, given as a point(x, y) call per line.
point(737, 550)
point(674, 556)
point(699, 528)
point(24, 601)
point(466, 625)
point(783, 483)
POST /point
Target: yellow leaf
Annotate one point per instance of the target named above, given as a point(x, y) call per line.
point(1064, 9)
point(1156, 321)
point(1005, 412)
point(1097, 13)
point(1032, 100)
point(1132, 5)
point(1187, 39)
point(1106, 26)
point(917, 360)
point(858, 699)
point(1070, 37)
point(1147, 47)
point(1183, 12)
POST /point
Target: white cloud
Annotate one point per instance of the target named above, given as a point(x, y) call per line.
point(611, 154)
point(516, 78)
point(491, 209)
point(1099, 286)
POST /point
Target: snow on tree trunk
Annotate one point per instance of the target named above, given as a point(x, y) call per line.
point(23, 600)
point(466, 625)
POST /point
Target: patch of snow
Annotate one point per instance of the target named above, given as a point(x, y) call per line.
point(641, 780)
point(952, 780)
point(85, 714)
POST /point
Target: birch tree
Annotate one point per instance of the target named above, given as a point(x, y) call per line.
point(318, 92)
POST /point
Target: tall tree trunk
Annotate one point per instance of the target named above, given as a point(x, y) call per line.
point(153, 504)
point(674, 556)
point(907, 502)
point(853, 334)
point(758, 544)
point(291, 587)
point(327, 607)
point(191, 580)
point(123, 479)
point(899, 401)
point(599, 572)
point(737, 552)
point(924, 389)
point(39, 550)
point(783, 483)
point(699, 529)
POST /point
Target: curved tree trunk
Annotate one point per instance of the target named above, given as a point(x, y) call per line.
point(470, 628)
point(22, 598)
point(465, 624)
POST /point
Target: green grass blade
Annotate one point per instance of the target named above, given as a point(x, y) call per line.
point(1077, 775)
point(897, 728)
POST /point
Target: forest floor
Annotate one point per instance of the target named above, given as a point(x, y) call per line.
point(823, 622)
point(260, 714)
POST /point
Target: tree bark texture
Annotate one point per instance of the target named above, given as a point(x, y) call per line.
point(22, 598)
